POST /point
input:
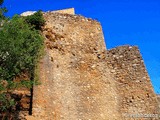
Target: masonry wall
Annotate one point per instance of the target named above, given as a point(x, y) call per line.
point(76, 83)
point(81, 80)
point(133, 83)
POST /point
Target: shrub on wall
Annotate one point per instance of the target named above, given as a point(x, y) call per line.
point(35, 20)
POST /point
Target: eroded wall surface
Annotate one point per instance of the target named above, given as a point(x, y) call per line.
point(76, 83)
point(81, 80)
point(133, 83)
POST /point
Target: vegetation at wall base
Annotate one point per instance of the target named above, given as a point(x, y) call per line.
point(21, 42)
point(19, 47)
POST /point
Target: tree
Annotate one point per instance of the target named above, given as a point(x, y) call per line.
point(1, 2)
point(20, 44)
point(3, 10)
point(36, 20)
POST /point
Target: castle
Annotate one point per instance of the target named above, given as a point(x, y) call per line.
point(82, 80)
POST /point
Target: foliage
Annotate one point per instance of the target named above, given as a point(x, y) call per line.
point(1, 2)
point(20, 44)
point(6, 102)
point(36, 20)
point(7, 106)
point(3, 10)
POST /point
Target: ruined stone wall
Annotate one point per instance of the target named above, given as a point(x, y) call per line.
point(158, 98)
point(64, 11)
point(133, 83)
point(81, 80)
point(76, 83)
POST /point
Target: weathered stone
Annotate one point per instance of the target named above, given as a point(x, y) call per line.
point(81, 80)
point(133, 73)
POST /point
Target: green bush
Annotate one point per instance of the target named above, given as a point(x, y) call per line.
point(3, 10)
point(6, 102)
point(7, 106)
point(20, 44)
point(36, 20)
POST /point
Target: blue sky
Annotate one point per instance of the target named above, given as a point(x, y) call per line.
point(133, 22)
